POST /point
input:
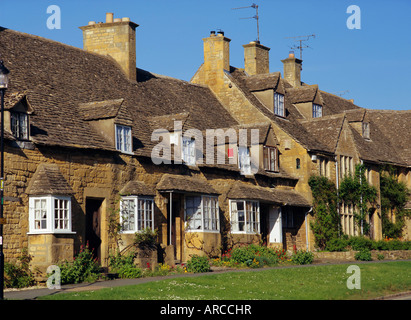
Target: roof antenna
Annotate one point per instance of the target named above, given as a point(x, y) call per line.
point(302, 46)
point(256, 17)
point(341, 93)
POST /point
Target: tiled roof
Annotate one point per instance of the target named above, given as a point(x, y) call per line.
point(241, 190)
point(137, 188)
point(48, 180)
point(325, 129)
point(66, 85)
point(185, 184)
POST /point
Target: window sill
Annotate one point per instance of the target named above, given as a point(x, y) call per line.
point(202, 231)
point(126, 152)
point(50, 232)
point(245, 232)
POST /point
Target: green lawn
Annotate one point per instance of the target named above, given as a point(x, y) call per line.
point(313, 282)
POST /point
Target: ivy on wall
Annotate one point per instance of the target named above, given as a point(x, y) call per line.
point(326, 224)
point(394, 196)
point(356, 191)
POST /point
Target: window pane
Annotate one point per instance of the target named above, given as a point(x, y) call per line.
point(119, 137)
point(188, 152)
point(193, 213)
point(128, 214)
point(244, 160)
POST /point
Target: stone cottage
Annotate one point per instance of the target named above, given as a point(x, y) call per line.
point(89, 136)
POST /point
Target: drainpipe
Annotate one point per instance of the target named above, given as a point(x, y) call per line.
point(362, 218)
point(337, 180)
point(171, 217)
point(307, 245)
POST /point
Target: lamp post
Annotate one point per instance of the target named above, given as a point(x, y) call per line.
point(4, 82)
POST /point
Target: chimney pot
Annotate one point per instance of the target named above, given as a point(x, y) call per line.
point(117, 20)
point(91, 23)
point(212, 33)
point(109, 17)
point(125, 19)
point(291, 54)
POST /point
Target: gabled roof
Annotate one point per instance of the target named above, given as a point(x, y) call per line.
point(390, 135)
point(241, 190)
point(295, 129)
point(63, 82)
point(98, 110)
point(261, 82)
point(333, 104)
point(48, 180)
point(137, 188)
point(14, 98)
point(184, 184)
point(325, 129)
point(303, 94)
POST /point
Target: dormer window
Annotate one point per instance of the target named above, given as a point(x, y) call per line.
point(19, 125)
point(244, 160)
point(279, 104)
point(317, 111)
point(189, 151)
point(123, 139)
point(270, 158)
point(366, 130)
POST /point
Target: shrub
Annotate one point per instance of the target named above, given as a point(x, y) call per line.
point(84, 267)
point(363, 255)
point(198, 264)
point(124, 266)
point(337, 244)
point(18, 275)
point(359, 243)
point(146, 239)
point(242, 254)
point(302, 257)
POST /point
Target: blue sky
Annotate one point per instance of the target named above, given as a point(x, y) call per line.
point(371, 65)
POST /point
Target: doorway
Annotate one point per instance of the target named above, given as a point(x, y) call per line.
point(171, 223)
point(274, 225)
point(93, 226)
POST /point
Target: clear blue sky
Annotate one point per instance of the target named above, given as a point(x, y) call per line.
point(373, 64)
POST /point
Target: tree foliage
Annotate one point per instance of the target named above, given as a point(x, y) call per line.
point(394, 196)
point(356, 191)
point(327, 221)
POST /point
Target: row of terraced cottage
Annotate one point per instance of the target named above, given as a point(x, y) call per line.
point(89, 136)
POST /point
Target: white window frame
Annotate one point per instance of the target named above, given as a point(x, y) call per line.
point(205, 218)
point(270, 159)
point(19, 124)
point(251, 220)
point(244, 160)
point(317, 110)
point(366, 130)
point(279, 109)
point(143, 208)
point(49, 212)
point(188, 151)
point(124, 141)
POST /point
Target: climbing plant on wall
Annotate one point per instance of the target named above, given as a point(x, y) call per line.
point(394, 196)
point(326, 224)
point(356, 191)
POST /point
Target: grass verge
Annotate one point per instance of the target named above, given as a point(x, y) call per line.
point(301, 283)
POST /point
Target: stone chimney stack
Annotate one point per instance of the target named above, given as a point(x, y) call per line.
point(116, 38)
point(256, 58)
point(216, 57)
point(292, 70)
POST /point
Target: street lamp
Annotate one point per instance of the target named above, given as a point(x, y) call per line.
point(4, 83)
